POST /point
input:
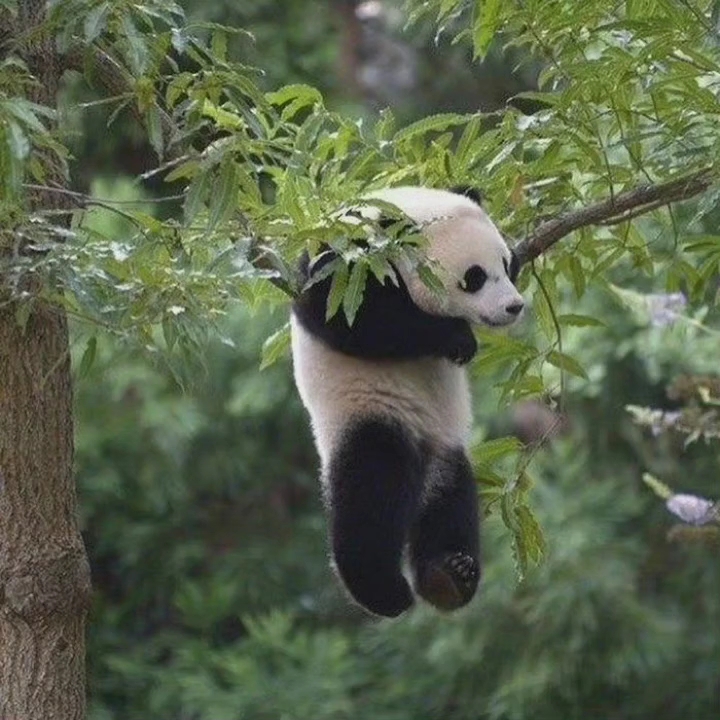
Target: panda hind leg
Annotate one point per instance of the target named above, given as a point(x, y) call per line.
point(373, 487)
point(445, 537)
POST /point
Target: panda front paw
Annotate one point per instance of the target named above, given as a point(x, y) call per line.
point(463, 346)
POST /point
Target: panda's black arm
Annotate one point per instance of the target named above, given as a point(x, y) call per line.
point(388, 324)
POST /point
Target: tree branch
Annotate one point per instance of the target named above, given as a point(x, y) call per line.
point(117, 82)
point(626, 205)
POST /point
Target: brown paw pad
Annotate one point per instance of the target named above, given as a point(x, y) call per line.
point(450, 581)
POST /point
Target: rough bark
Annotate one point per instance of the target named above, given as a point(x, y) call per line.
point(44, 573)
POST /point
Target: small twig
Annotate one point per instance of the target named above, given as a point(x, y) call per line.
point(164, 166)
point(556, 324)
point(84, 199)
point(630, 203)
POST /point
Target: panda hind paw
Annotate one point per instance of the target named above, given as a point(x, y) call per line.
point(450, 581)
point(463, 567)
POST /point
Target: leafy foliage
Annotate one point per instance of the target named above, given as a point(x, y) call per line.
point(629, 93)
point(212, 596)
point(24, 135)
point(201, 508)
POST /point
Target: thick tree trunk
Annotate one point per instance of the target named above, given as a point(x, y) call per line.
point(44, 573)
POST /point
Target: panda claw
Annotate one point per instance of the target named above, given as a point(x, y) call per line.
point(463, 568)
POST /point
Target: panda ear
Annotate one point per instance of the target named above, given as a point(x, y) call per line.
point(468, 191)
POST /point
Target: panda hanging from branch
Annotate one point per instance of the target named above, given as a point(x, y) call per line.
point(390, 406)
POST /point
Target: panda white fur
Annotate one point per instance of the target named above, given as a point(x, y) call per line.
point(390, 407)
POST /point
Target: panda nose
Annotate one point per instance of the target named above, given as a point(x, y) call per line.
point(515, 308)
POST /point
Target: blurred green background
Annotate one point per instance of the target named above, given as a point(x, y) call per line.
point(201, 509)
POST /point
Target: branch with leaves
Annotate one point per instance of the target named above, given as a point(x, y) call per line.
point(619, 208)
point(118, 83)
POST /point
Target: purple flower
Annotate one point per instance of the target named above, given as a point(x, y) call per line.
point(662, 421)
point(692, 509)
point(665, 308)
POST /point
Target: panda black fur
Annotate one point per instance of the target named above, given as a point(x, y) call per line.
point(390, 407)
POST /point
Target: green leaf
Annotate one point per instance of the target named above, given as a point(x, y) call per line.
point(337, 290)
point(486, 26)
point(195, 196)
point(295, 91)
point(184, 170)
point(567, 363)
point(223, 118)
point(490, 451)
point(385, 126)
point(95, 21)
point(657, 486)
point(531, 532)
point(545, 98)
point(295, 97)
point(430, 279)
point(224, 196)
point(381, 269)
point(353, 295)
point(137, 50)
point(155, 130)
point(439, 122)
point(218, 44)
point(88, 357)
point(169, 332)
point(578, 275)
point(276, 346)
point(702, 243)
point(508, 503)
point(470, 133)
point(544, 314)
point(18, 142)
point(575, 320)
point(27, 113)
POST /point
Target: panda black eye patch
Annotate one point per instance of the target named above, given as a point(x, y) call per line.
point(473, 279)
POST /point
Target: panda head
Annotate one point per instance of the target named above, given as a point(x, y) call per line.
point(470, 257)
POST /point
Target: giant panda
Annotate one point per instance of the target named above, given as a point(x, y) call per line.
point(390, 406)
